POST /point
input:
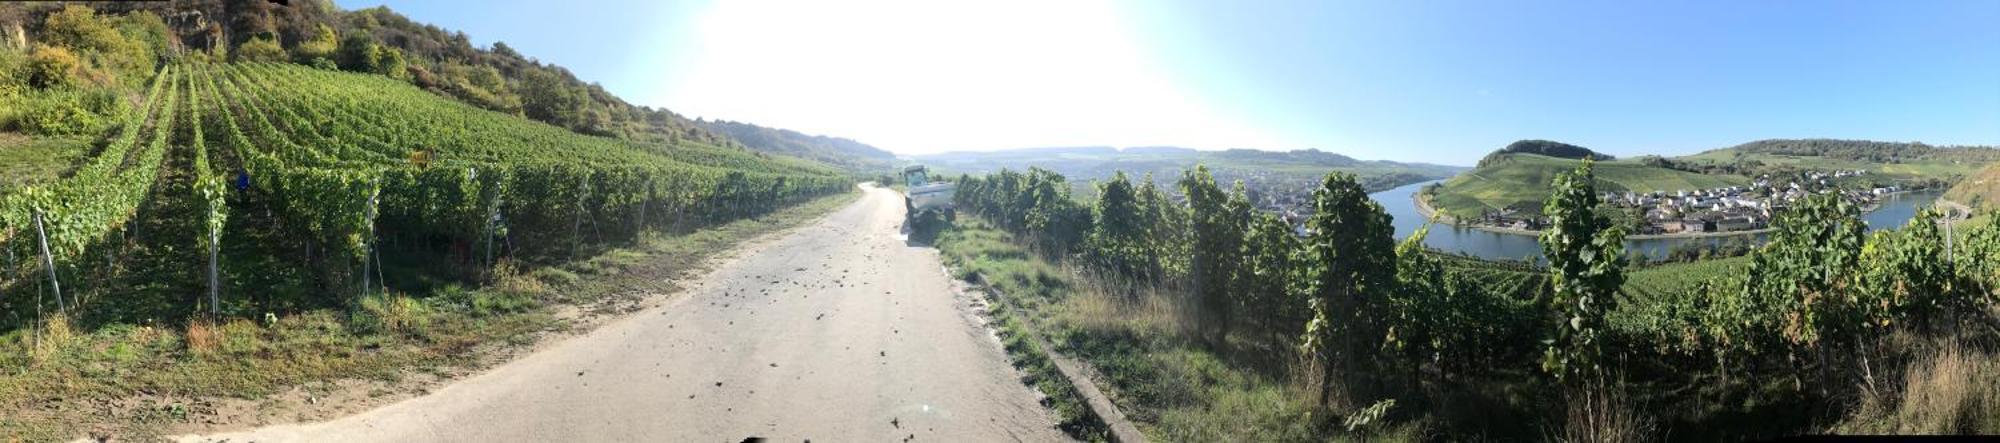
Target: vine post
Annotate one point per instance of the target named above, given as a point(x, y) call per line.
point(49, 262)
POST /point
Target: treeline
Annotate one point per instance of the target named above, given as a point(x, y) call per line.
point(1868, 151)
point(1372, 320)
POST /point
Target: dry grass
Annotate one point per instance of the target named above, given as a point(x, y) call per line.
point(1604, 412)
point(54, 335)
point(203, 337)
point(1947, 388)
point(508, 278)
point(1098, 309)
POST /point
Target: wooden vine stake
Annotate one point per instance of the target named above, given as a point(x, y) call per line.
point(214, 273)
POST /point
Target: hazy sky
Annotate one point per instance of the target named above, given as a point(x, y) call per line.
point(1440, 82)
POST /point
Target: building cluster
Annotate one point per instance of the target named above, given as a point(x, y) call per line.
point(1723, 209)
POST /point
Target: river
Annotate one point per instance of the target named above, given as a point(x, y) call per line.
point(1894, 212)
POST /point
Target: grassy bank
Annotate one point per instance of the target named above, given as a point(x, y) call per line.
point(136, 381)
point(1150, 364)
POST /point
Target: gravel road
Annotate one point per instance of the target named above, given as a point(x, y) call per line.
point(838, 331)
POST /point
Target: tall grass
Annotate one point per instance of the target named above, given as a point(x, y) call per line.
point(1947, 387)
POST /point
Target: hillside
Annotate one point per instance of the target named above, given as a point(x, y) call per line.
point(840, 151)
point(1979, 190)
point(1297, 168)
point(381, 41)
point(1521, 181)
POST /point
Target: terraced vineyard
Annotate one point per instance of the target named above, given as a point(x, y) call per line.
point(281, 172)
point(1679, 279)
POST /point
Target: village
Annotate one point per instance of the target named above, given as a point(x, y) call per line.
point(1705, 211)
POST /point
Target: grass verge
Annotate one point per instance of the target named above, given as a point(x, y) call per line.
point(1170, 387)
point(137, 382)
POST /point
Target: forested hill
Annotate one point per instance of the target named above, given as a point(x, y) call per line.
point(835, 150)
point(381, 41)
point(1545, 148)
point(1862, 150)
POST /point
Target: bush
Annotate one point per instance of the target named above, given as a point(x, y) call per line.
point(260, 50)
point(53, 67)
point(67, 111)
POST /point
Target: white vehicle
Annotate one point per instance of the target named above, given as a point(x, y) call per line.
point(925, 195)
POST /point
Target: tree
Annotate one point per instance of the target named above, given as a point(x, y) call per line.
point(357, 52)
point(1585, 252)
point(548, 97)
point(388, 61)
point(1350, 261)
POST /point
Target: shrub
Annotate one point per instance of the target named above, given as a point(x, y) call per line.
point(53, 67)
point(383, 313)
point(260, 50)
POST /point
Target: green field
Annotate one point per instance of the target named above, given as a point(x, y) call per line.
point(30, 159)
point(1522, 181)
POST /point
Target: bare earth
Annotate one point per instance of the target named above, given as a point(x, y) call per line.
point(838, 332)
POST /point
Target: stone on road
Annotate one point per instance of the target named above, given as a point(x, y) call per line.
point(839, 331)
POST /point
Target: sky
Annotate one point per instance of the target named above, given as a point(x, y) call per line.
point(1431, 81)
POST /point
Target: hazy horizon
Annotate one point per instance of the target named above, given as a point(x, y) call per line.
point(1440, 83)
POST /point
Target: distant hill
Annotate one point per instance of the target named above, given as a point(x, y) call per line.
point(1907, 163)
point(1518, 175)
point(835, 150)
point(1860, 150)
point(1546, 148)
point(1980, 190)
point(1270, 168)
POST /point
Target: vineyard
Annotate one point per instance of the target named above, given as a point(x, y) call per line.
point(246, 188)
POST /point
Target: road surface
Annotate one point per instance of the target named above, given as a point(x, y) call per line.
point(839, 331)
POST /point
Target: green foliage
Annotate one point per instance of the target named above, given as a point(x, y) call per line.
point(1273, 278)
point(1351, 256)
point(1586, 260)
point(1119, 242)
point(1805, 271)
point(67, 111)
point(323, 45)
point(114, 50)
point(53, 67)
point(1217, 225)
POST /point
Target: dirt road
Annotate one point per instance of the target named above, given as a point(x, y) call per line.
point(836, 332)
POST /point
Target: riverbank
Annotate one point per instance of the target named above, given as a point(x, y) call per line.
point(1424, 207)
